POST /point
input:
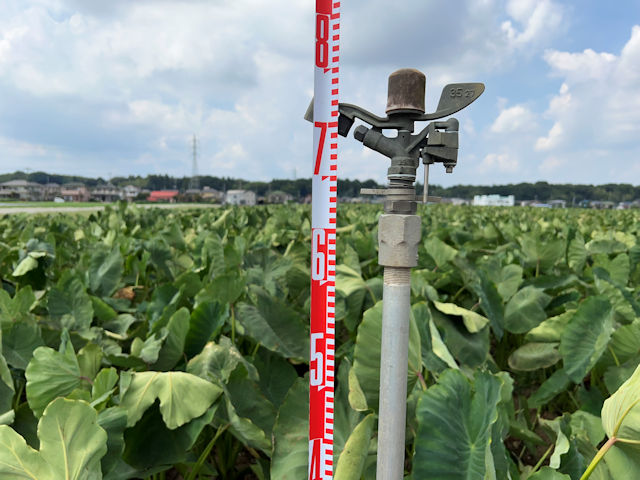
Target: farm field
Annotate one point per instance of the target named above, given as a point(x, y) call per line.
point(13, 208)
point(174, 344)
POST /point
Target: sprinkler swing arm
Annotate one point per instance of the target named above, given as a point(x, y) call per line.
point(435, 143)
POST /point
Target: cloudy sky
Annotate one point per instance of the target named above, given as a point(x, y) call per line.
point(119, 87)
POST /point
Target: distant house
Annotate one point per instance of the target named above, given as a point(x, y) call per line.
point(211, 195)
point(74, 192)
point(163, 196)
point(455, 201)
point(130, 192)
point(602, 205)
point(21, 190)
point(107, 193)
point(52, 191)
point(278, 197)
point(240, 197)
point(494, 200)
point(558, 203)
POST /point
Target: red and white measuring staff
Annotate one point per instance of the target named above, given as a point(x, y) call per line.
point(323, 239)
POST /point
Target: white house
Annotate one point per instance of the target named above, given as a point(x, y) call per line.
point(130, 192)
point(240, 197)
point(494, 200)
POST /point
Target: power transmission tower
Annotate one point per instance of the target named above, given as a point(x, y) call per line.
point(194, 184)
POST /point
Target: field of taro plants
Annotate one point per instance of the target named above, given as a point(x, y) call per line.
point(156, 345)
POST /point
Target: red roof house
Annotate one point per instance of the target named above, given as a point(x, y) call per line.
point(163, 196)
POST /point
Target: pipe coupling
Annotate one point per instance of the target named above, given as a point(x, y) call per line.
point(398, 239)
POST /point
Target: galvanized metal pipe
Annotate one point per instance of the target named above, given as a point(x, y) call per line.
point(393, 373)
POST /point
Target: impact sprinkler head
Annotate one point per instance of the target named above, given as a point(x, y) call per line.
point(436, 143)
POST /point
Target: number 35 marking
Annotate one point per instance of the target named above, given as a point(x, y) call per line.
point(460, 92)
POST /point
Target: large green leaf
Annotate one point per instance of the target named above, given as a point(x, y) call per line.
point(508, 280)
point(621, 411)
point(225, 289)
point(366, 357)
point(540, 253)
point(245, 429)
point(13, 308)
point(353, 456)
point(430, 359)
point(28, 263)
point(105, 271)
point(623, 461)
point(103, 387)
point(52, 374)
point(69, 302)
point(468, 348)
point(207, 319)
point(251, 414)
point(355, 294)
point(439, 251)
point(217, 361)
point(491, 303)
point(586, 336)
point(472, 320)
point(576, 254)
point(552, 386)
point(533, 356)
point(272, 323)
point(454, 427)
point(276, 375)
point(19, 341)
point(525, 310)
point(625, 342)
point(182, 396)
point(290, 458)
point(439, 347)
point(551, 329)
point(71, 446)
point(173, 347)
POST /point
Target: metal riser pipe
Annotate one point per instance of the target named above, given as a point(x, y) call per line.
point(393, 373)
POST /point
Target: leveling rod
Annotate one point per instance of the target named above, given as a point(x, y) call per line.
point(323, 239)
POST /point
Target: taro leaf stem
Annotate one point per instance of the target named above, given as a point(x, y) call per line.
point(233, 326)
point(542, 459)
point(205, 453)
point(594, 463)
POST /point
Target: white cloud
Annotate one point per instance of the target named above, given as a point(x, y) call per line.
point(552, 140)
point(598, 104)
point(498, 163)
point(537, 18)
point(579, 67)
point(514, 119)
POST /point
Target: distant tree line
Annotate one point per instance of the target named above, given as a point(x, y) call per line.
point(300, 188)
point(543, 191)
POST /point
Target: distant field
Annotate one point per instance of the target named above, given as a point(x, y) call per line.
point(51, 204)
point(8, 208)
